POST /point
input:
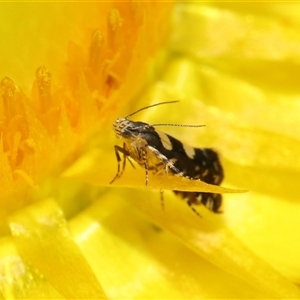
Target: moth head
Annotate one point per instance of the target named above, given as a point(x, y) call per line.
point(126, 129)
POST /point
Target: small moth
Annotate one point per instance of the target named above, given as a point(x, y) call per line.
point(160, 153)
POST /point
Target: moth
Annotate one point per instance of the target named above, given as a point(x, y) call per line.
point(160, 153)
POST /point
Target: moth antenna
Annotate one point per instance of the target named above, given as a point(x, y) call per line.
point(177, 125)
point(156, 104)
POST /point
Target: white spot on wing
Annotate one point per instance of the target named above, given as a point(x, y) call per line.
point(216, 166)
point(165, 140)
point(189, 151)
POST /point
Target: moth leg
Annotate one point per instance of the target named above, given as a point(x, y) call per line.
point(146, 166)
point(157, 168)
point(162, 199)
point(190, 204)
point(126, 154)
point(169, 165)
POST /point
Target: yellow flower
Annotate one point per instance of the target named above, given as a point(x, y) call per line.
point(66, 232)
